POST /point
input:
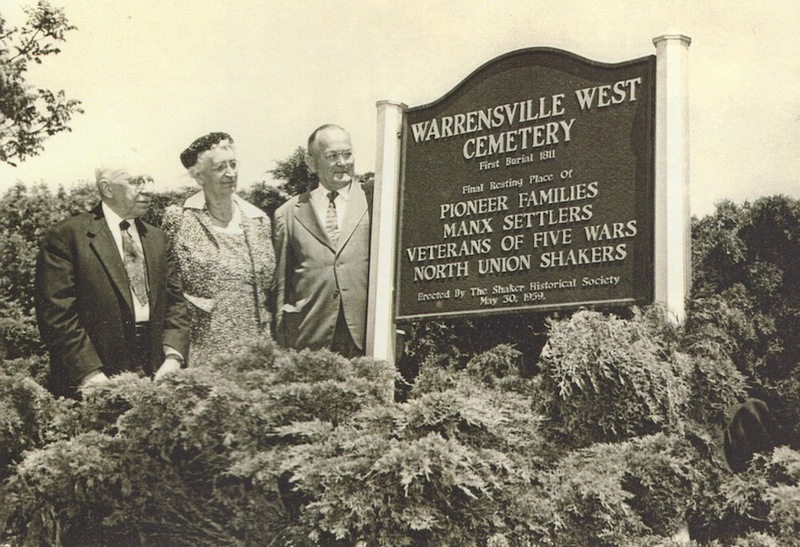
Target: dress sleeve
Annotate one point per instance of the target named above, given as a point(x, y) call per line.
point(171, 221)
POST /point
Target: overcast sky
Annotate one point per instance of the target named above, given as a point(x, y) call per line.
point(155, 74)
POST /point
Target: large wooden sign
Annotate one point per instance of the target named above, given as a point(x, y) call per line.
point(529, 187)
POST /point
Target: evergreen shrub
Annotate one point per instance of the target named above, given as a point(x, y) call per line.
point(303, 448)
point(441, 468)
point(762, 505)
point(27, 414)
point(614, 492)
point(139, 463)
point(746, 294)
point(607, 379)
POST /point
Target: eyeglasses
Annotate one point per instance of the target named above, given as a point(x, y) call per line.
point(139, 182)
point(223, 166)
point(344, 154)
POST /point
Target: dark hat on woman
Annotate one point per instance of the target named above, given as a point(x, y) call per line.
point(189, 156)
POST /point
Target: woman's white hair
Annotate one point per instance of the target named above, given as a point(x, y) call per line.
point(202, 157)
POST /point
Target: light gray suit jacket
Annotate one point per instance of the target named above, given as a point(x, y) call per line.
point(313, 278)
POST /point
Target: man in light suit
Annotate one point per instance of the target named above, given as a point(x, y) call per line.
point(322, 240)
point(108, 295)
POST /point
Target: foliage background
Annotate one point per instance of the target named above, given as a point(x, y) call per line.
point(30, 114)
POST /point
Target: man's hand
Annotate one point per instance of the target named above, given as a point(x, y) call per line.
point(170, 364)
point(96, 377)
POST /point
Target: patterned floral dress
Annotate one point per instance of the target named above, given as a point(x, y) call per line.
point(226, 273)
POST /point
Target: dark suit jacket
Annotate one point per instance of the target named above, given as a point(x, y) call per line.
point(83, 301)
point(313, 278)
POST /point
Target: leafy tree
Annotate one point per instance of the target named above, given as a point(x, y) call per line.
point(26, 212)
point(746, 296)
point(30, 114)
point(266, 197)
point(297, 178)
point(162, 200)
point(294, 172)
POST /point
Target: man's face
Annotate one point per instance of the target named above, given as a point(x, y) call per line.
point(219, 171)
point(128, 195)
point(331, 158)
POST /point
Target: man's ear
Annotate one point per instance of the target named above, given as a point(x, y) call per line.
point(103, 187)
point(310, 163)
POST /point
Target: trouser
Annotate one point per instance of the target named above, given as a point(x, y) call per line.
point(143, 348)
point(343, 342)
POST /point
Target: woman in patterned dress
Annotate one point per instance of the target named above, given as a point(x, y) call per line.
point(224, 251)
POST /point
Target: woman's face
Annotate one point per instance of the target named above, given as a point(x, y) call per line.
point(219, 172)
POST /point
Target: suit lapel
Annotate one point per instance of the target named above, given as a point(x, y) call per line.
point(305, 215)
point(102, 242)
point(154, 268)
point(353, 213)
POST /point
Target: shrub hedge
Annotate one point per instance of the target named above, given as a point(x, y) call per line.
point(262, 446)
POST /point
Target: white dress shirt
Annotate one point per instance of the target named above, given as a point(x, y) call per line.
point(320, 201)
point(140, 313)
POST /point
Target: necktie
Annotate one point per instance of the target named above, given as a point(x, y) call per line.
point(331, 221)
point(133, 260)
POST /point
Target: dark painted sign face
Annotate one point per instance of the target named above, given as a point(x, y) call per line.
point(529, 186)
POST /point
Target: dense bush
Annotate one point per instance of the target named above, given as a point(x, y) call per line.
point(758, 507)
point(262, 446)
point(172, 462)
point(746, 296)
point(440, 469)
point(25, 214)
point(609, 379)
point(613, 493)
point(27, 411)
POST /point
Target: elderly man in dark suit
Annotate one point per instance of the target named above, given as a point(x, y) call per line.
point(322, 240)
point(108, 295)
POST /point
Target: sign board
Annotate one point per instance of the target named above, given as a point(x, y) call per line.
point(529, 187)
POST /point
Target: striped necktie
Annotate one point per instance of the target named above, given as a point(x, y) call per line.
point(133, 260)
point(331, 220)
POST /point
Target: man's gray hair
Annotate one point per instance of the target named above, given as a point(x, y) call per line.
point(313, 137)
point(124, 161)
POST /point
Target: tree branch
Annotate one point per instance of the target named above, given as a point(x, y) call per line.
point(23, 48)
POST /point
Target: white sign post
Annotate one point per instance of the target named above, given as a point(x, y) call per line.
point(381, 329)
point(672, 214)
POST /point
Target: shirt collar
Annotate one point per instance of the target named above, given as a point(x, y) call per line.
point(112, 218)
point(321, 192)
point(198, 201)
